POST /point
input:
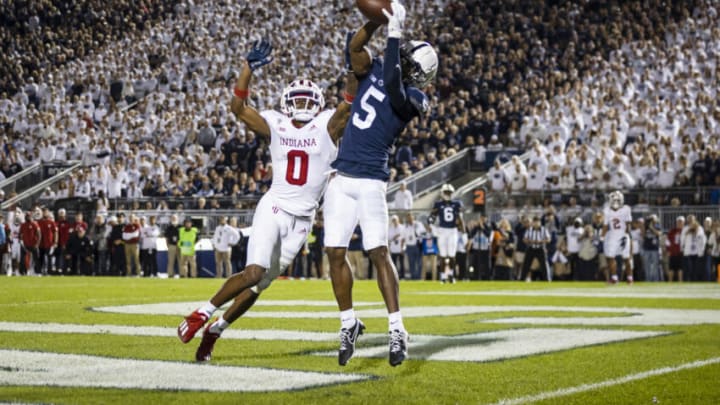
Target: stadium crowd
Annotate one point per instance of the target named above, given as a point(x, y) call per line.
point(145, 91)
point(603, 95)
point(648, 117)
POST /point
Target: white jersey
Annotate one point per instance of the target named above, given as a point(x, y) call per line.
point(617, 240)
point(617, 221)
point(301, 160)
point(15, 247)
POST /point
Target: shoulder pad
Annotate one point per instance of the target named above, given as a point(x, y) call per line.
point(419, 100)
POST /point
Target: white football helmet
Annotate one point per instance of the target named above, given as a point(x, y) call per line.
point(616, 200)
point(419, 63)
point(447, 191)
point(299, 90)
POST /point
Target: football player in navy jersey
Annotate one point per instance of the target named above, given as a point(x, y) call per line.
point(447, 216)
point(389, 95)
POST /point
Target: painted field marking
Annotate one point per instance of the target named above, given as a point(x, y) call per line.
point(29, 368)
point(499, 345)
point(711, 292)
point(159, 331)
point(607, 383)
point(476, 347)
point(186, 307)
point(624, 317)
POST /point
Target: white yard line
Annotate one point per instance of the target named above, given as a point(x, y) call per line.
point(607, 383)
point(624, 315)
point(26, 368)
point(709, 291)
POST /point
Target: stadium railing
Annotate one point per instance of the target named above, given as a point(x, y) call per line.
point(466, 192)
point(635, 196)
point(47, 176)
point(22, 180)
point(432, 177)
point(226, 203)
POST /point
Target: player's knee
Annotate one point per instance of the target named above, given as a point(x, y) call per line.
point(336, 256)
point(378, 254)
point(254, 273)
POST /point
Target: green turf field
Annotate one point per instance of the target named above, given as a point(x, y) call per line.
point(112, 340)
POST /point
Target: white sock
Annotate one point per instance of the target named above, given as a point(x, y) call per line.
point(347, 318)
point(208, 309)
point(219, 326)
point(614, 277)
point(395, 321)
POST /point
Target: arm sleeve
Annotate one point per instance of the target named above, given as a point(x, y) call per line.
point(392, 75)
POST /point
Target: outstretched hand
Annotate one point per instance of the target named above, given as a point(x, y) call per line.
point(396, 20)
point(259, 55)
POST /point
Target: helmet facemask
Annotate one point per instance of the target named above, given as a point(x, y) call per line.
point(419, 63)
point(616, 200)
point(302, 100)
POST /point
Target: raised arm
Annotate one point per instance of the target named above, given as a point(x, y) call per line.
point(258, 57)
point(392, 70)
point(360, 57)
point(338, 121)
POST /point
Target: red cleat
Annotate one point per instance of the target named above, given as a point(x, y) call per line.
point(204, 351)
point(191, 325)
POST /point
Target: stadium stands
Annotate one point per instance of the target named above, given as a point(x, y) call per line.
point(603, 94)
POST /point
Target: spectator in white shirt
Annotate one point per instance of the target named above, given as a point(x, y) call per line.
point(518, 181)
point(396, 239)
point(499, 180)
point(573, 236)
point(149, 232)
point(82, 186)
point(535, 178)
point(224, 238)
point(403, 198)
point(692, 242)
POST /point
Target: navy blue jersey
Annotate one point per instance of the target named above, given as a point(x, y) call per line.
point(447, 213)
point(382, 107)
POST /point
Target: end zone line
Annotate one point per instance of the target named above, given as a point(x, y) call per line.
point(607, 383)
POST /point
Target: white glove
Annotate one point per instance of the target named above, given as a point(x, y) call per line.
point(396, 20)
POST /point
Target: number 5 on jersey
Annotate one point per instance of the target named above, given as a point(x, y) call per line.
point(371, 113)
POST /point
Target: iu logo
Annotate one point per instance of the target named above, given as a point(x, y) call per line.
point(275, 209)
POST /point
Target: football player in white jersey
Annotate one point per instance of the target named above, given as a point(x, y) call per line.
point(616, 228)
point(302, 145)
point(14, 240)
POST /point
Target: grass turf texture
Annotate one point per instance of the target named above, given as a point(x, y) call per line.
point(67, 300)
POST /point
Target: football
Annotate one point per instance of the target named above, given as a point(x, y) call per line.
point(372, 9)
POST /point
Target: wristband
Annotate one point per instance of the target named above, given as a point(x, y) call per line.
point(348, 97)
point(241, 94)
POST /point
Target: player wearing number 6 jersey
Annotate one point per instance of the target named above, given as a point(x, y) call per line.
point(388, 97)
point(447, 216)
point(302, 145)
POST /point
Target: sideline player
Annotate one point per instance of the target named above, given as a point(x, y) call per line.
point(389, 96)
point(447, 214)
point(616, 229)
point(302, 145)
